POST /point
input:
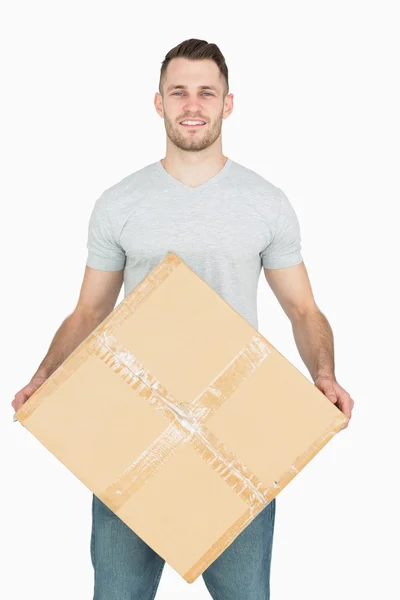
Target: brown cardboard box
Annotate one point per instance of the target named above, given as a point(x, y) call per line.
point(181, 417)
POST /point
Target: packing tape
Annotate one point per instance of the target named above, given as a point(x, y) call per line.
point(186, 422)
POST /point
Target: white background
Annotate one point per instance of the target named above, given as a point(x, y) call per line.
point(316, 113)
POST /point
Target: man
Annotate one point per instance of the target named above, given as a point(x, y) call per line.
point(226, 222)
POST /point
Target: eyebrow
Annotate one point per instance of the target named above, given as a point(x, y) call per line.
point(184, 87)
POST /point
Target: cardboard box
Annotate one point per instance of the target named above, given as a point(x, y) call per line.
point(181, 417)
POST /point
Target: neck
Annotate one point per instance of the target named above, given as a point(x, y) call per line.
point(193, 168)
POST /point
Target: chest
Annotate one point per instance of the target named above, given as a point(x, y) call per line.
point(194, 225)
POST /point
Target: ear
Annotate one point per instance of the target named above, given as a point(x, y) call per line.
point(228, 105)
point(158, 103)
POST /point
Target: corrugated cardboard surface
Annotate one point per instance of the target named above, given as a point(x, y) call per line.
point(181, 417)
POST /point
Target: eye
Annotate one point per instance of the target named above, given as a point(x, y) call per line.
point(175, 93)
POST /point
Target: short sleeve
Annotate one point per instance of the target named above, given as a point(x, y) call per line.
point(284, 250)
point(104, 252)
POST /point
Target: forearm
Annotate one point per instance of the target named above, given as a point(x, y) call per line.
point(73, 330)
point(314, 339)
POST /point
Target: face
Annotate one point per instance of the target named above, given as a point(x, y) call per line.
point(193, 90)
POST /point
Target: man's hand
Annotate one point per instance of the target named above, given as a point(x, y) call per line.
point(22, 396)
point(336, 394)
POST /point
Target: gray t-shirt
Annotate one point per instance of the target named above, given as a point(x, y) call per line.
point(225, 230)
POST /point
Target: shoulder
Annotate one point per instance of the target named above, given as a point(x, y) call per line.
point(131, 183)
point(255, 181)
point(263, 191)
point(118, 198)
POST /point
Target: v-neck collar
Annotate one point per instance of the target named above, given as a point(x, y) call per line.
point(202, 186)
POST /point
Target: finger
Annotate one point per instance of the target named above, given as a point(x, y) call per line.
point(331, 396)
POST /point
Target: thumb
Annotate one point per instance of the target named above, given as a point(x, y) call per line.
point(332, 397)
point(328, 391)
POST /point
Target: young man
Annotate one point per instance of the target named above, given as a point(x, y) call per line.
point(226, 222)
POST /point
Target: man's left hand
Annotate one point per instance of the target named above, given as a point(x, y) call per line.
point(336, 394)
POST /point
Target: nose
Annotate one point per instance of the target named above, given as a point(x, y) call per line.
point(192, 105)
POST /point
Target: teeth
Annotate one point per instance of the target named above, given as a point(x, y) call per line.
point(192, 122)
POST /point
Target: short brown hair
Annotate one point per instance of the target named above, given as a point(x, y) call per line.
point(196, 50)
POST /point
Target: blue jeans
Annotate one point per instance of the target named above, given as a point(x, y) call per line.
point(126, 568)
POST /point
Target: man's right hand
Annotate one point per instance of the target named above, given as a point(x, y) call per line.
point(27, 391)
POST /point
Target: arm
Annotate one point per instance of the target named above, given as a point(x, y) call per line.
point(98, 294)
point(312, 333)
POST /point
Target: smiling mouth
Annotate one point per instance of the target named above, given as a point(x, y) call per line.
point(192, 125)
